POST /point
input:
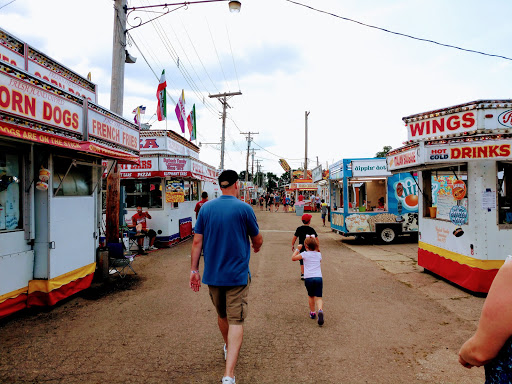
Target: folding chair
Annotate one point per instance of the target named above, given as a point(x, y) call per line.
point(118, 266)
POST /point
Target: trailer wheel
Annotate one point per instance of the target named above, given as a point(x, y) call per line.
point(387, 235)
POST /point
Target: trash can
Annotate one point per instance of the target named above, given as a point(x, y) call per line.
point(299, 210)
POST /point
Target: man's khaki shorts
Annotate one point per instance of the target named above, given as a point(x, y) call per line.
point(231, 302)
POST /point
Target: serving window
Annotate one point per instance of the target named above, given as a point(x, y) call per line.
point(368, 194)
point(10, 189)
point(443, 189)
point(71, 178)
point(504, 188)
point(146, 193)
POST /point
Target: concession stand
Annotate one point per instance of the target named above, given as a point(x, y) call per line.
point(463, 157)
point(167, 183)
point(53, 137)
point(357, 186)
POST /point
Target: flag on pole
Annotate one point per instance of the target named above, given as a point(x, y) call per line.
point(180, 111)
point(138, 111)
point(161, 109)
point(191, 123)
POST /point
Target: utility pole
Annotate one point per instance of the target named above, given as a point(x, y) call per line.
point(252, 166)
point(249, 139)
point(258, 173)
point(116, 106)
point(306, 153)
point(223, 98)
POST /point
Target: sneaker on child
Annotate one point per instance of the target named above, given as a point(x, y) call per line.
point(312, 315)
point(152, 248)
point(320, 317)
point(228, 380)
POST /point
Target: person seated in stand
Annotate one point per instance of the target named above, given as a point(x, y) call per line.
point(139, 223)
point(381, 206)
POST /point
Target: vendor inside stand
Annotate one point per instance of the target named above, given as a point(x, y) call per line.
point(365, 194)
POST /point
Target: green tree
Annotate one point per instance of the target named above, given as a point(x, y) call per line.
point(384, 151)
point(285, 178)
point(271, 181)
point(241, 176)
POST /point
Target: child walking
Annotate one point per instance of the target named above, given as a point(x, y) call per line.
point(313, 276)
point(301, 233)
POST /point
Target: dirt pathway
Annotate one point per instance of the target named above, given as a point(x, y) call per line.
point(151, 328)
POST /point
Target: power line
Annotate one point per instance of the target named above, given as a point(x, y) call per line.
point(233, 57)
point(3, 6)
point(217, 53)
point(398, 33)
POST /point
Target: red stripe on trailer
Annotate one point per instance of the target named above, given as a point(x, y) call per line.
point(15, 304)
point(41, 299)
point(473, 279)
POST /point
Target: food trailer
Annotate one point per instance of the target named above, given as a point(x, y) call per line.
point(53, 137)
point(357, 185)
point(463, 156)
point(168, 183)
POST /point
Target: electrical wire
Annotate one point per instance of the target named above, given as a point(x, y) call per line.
point(3, 6)
point(233, 57)
point(398, 33)
point(217, 53)
point(197, 54)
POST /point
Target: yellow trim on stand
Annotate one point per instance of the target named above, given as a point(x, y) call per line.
point(49, 285)
point(462, 259)
point(13, 294)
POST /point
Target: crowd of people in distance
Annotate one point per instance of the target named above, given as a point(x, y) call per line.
point(272, 201)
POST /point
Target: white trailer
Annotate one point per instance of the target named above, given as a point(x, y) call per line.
point(53, 138)
point(464, 159)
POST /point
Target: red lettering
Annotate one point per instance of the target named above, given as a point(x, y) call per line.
point(17, 99)
point(151, 143)
point(66, 118)
point(455, 125)
point(30, 106)
point(47, 111)
point(466, 152)
point(75, 121)
point(482, 152)
point(438, 125)
point(493, 151)
point(505, 150)
point(468, 120)
point(5, 97)
point(57, 115)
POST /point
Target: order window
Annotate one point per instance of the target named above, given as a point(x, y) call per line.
point(438, 191)
point(146, 193)
point(504, 189)
point(10, 190)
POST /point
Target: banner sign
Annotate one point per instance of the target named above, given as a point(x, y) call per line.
point(24, 133)
point(21, 98)
point(174, 191)
point(469, 151)
point(317, 173)
point(369, 168)
point(285, 165)
point(404, 159)
point(459, 120)
point(108, 127)
point(304, 186)
point(23, 56)
point(204, 172)
point(42, 108)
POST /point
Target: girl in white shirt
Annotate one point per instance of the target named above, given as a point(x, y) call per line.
point(312, 276)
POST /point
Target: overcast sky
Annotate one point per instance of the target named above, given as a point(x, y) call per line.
point(356, 82)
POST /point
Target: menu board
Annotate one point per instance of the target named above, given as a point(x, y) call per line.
point(445, 204)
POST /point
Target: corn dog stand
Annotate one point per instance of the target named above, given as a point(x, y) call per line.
point(53, 137)
point(464, 159)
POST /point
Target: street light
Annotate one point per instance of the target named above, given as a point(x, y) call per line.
point(119, 57)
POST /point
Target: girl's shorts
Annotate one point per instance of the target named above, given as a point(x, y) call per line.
point(314, 286)
point(323, 215)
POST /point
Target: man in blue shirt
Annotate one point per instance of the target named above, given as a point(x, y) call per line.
point(223, 230)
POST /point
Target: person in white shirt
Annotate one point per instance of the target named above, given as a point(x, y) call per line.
point(312, 276)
